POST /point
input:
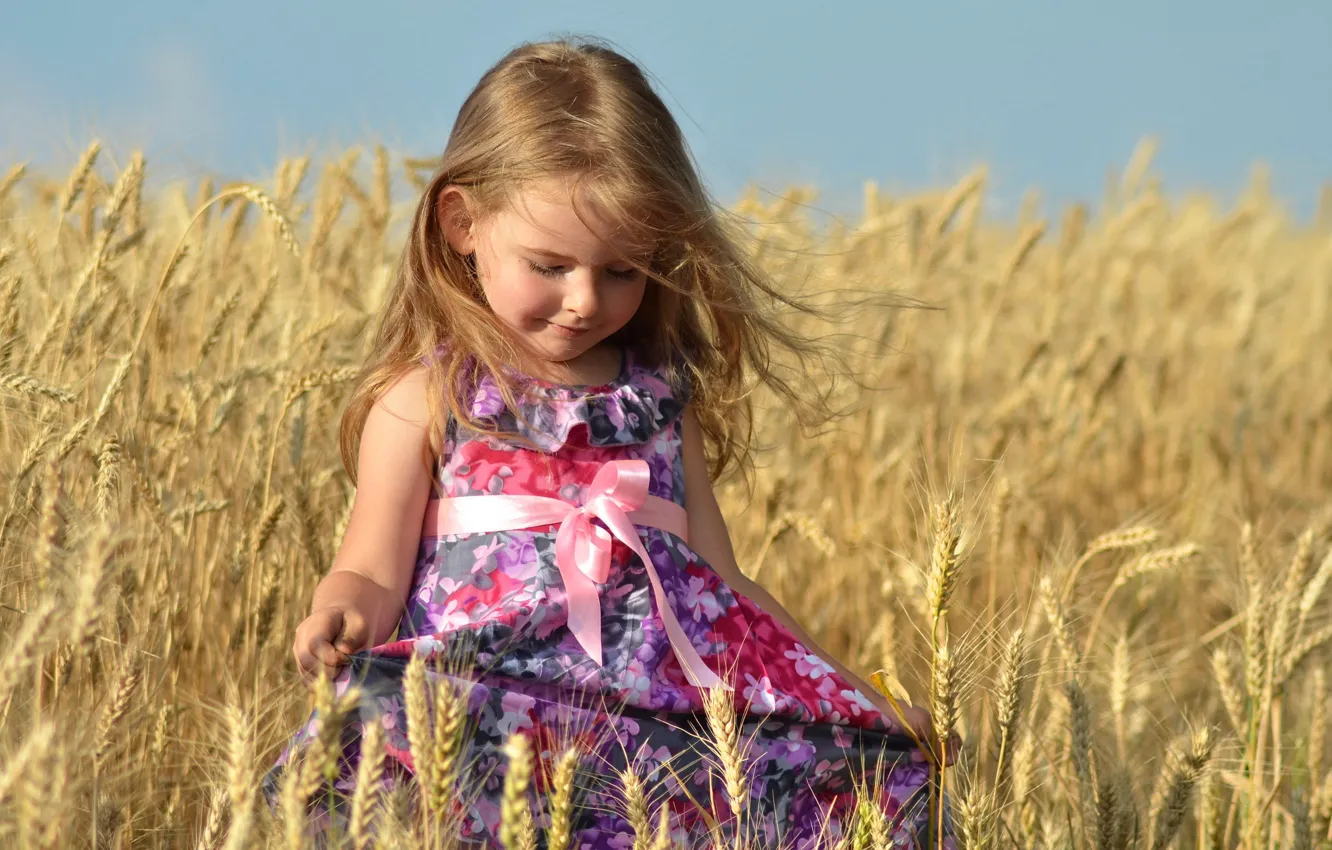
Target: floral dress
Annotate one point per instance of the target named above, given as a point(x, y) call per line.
point(808, 736)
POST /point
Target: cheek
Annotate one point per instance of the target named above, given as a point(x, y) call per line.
point(625, 299)
point(516, 293)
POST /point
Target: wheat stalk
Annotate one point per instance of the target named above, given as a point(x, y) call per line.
point(1120, 674)
point(1223, 668)
point(29, 755)
point(30, 386)
point(240, 783)
point(1008, 702)
point(1182, 777)
point(516, 828)
point(636, 807)
point(369, 774)
point(217, 811)
point(1313, 591)
point(11, 179)
point(1111, 541)
point(449, 717)
point(126, 682)
point(944, 558)
point(725, 741)
point(78, 178)
point(560, 834)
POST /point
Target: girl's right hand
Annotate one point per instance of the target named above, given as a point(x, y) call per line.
point(325, 639)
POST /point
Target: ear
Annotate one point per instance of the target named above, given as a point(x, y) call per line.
point(453, 210)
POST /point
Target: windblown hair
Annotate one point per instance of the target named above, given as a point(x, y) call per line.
point(577, 110)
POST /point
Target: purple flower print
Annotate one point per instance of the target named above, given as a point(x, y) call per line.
point(501, 594)
point(701, 602)
point(519, 560)
point(487, 402)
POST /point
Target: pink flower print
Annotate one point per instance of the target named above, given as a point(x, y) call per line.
point(452, 616)
point(389, 716)
point(428, 646)
point(858, 702)
point(701, 601)
point(449, 586)
point(807, 663)
point(428, 585)
point(483, 553)
point(760, 694)
point(827, 687)
point(515, 713)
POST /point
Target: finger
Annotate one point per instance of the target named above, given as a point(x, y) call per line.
point(355, 633)
point(326, 624)
point(318, 656)
point(330, 657)
point(308, 664)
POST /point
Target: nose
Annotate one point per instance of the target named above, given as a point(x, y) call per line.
point(580, 296)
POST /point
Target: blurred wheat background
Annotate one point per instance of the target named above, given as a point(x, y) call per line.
point(1080, 507)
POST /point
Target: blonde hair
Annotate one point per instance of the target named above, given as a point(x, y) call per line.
point(577, 109)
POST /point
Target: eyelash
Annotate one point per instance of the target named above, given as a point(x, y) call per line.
point(547, 271)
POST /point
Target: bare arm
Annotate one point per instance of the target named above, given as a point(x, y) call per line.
point(359, 603)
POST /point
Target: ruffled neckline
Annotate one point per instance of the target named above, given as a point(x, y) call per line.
point(629, 410)
point(554, 389)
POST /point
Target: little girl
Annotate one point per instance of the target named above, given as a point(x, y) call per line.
point(562, 366)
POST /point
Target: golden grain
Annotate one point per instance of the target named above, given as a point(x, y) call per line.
point(369, 774)
point(636, 807)
point(1079, 373)
point(78, 178)
point(515, 810)
point(11, 179)
point(560, 834)
point(725, 742)
point(1183, 775)
point(31, 386)
point(127, 679)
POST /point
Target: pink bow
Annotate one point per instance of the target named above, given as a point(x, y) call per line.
point(618, 498)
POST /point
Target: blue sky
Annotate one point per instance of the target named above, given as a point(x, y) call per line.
point(1049, 94)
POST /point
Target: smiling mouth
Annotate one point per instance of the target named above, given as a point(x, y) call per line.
point(567, 332)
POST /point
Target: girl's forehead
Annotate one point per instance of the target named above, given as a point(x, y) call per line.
point(553, 220)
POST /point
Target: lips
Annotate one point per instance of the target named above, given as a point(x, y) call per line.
point(567, 332)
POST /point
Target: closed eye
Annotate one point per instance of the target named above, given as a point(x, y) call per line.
point(556, 271)
point(548, 271)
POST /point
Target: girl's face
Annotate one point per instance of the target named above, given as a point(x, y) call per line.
point(546, 275)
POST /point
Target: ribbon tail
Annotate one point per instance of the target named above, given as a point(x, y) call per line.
point(580, 591)
point(585, 615)
point(695, 670)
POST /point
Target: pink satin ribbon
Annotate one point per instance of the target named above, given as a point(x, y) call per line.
point(619, 498)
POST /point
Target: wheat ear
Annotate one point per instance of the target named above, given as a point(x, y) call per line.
point(516, 828)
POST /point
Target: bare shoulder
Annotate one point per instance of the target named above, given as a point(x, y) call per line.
point(392, 486)
point(404, 400)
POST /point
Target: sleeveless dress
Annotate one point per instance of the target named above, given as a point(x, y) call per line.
point(808, 736)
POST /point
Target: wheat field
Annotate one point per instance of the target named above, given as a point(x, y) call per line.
point(1080, 504)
